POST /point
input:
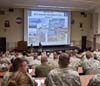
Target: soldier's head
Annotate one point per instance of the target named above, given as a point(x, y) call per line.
point(89, 55)
point(55, 55)
point(64, 60)
point(73, 53)
point(44, 59)
point(20, 64)
point(35, 55)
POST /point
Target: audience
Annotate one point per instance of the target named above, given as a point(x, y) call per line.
point(55, 65)
point(63, 76)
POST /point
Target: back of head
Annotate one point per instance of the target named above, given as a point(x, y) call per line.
point(89, 55)
point(73, 53)
point(19, 55)
point(64, 60)
point(44, 59)
point(55, 55)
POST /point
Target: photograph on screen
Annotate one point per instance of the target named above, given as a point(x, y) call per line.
point(47, 27)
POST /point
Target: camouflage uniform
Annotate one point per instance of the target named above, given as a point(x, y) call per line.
point(63, 77)
point(75, 63)
point(5, 60)
point(5, 78)
point(21, 79)
point(91, 66)
point(95, 81)
point(54, 63)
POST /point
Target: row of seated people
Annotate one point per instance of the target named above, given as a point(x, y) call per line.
point(89, 61)
point(55, 67)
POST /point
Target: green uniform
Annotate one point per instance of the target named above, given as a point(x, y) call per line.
point(42, 70)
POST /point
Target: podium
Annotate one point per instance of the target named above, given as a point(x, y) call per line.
point(22, 45)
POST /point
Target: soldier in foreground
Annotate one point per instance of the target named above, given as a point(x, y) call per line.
point(63, 76)
point(43, 69)
point(95, 81)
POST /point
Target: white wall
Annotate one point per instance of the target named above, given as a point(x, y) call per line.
point(96, 28)
point(77, 32)
point(16, 32)
point(13, 33)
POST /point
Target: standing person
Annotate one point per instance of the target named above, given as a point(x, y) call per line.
point(63, 76)
point(20, 77)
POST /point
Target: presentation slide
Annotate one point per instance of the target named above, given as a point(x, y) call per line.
point(47, 27)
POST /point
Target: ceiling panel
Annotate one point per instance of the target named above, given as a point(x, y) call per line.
point(77, 4)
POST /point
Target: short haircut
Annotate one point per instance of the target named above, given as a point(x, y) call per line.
point(64, 59)
point(44, 59)
point(17, 62)
point(88, 54)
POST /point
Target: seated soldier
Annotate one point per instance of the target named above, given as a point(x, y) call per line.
point(63, 76)
point(43, 69)
point(91, 66)
point(54, 61)
point(36, 61)
point(95, 81)
point(20, 77)
point(74, 61)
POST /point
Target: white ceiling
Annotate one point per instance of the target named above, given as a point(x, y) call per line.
point(63, 4)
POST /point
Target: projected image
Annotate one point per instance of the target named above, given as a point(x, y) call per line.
point(52, 37)
point(47, 27)
point(33, 37)
point(61, 37)
point(57, 23)
point(41, 37)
